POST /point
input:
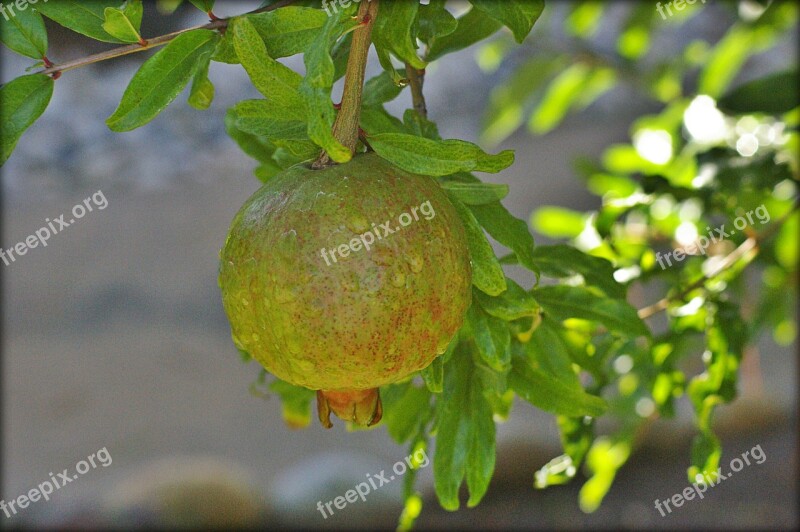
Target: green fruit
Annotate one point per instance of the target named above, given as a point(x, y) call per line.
point(326, 294)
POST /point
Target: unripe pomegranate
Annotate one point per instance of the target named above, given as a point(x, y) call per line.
point(345, 279)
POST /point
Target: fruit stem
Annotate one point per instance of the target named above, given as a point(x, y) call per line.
point(345, 128)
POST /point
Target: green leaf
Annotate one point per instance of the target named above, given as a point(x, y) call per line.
point(420, 126)
point(492, 338)
point(472, 27)
point(465, 442)
point(433, 375)
point(563, 261)
point(510, 231)
point(394, 31)
point(435, 21)
point(506, 110)
point(773, 94)
point(375, 120)
point(124, 23)
point(518, 15)
point(278, 83)
point(320, 123)
point(203, 5)
point(22, 101)
point(256, 147)
point(405, 408)
point(202, 92)
point(634, 39)
point(266, 119)
point(82, 16)
point(316, 86)
point(437, 158)
point(487, 274)
point(513, 304)
point(381, 89)
point(548, 351)
point(585, 18)
point(729, 55)
point(296, 403)
point(161, 78)
point(550, 393)
point(603, 460)
point(557, 222)
point(476, 193)
point(24, 32)
point(565, 302)
point(286, 31)
point(563, 92)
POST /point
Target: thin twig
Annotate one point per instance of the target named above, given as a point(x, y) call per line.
point(56, 70)
point(748, 247)
point(416, 79)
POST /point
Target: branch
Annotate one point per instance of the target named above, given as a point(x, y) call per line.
point(219, 24)
point(416, 79)
point(748, 249)
point(345, 128)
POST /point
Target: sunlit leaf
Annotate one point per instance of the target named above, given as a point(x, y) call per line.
point(517, 15)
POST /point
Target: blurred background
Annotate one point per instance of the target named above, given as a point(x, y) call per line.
point(115, 337)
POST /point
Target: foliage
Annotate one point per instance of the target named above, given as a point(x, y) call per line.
point(573, 346)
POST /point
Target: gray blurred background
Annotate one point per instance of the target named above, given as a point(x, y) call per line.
point(115, 335)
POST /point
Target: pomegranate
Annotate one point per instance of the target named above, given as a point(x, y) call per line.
point(346, 278)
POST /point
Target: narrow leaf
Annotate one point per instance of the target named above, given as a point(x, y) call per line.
point(267, 119)
point(465, 442)
point(296, 403)
point(202, 92)
point(492, 337)
point(565, 302)
point(549, 393)
point(476, 193)
point(22, 101)
point(513, 304)
point(82, 16)
point(518, 15)
point(472, 27)
point(394, 31)
point(773, 94)
point(437, 158)
point(161, 78)
point(508, 230)
point(24, 32)
point(272, 79)
point(565, 261)
point(117, 24)
point(286, 31)
point(487, 274)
